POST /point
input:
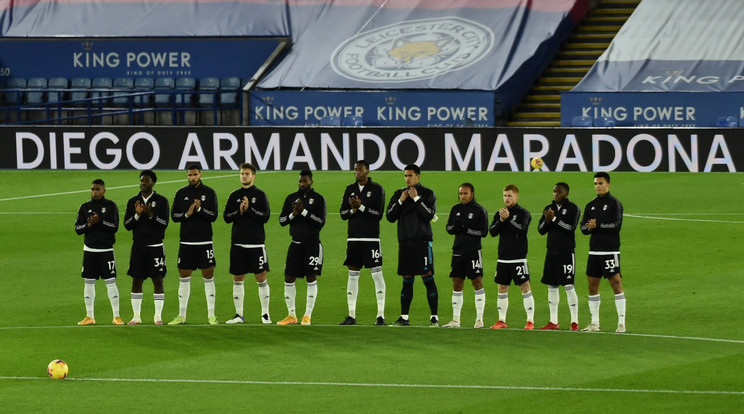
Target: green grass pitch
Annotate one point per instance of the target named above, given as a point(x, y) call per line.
point(682, 268)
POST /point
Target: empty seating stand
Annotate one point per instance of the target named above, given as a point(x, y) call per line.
point(122, 89)
point(36, 91)
point(56, 95)
point(208, 90)
point(79, 90)
point(13, 99)
point(230, 101)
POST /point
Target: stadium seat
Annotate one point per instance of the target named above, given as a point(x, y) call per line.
point(232, 85)
point(330, 121)
point(36, 87)
point(79, 91)
point(604, 121)
point(15, 98)
point(352, 121)
point(122, 88)
point(724, 122)
point(56, 93)
point(143, 85)
point(184, 84)
point(581, 121)
point(162, 84)
point(209, 86)
point(101, 84)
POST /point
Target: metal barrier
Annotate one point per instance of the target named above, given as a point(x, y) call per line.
point(132, 108)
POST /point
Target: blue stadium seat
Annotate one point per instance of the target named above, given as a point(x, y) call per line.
point(604, 121)
point(581, 121)
point(143, 85)
point(15, 98)
point(101, 83)
point(54, 96)
point(726, 122)
point(36, 87)
point(209, 86)
point(352, 121)
point(162, 84)
point(330, 121)
point(185, 84)
point(122, 88)
point(79, 91)
point(229, 87)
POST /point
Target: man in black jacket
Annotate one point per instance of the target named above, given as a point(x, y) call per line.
point(362, 205)
point(305, 213)
point(603, 218)
point(414, 208)
point(468, 222)
point(147, 217)
point(247, 209)
point(559, 221)
point(98, 220)
point(510, 223)
point(195, 207)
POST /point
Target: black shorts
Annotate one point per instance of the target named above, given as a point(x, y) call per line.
point(196, 256)
point(98, 265)
point(304, 259)
point(560, 268)
point(513, 270)
point(468, 264)
point(415, 258)
point(363, 253)
point(145, 261)
point(248, 259)
point(603, 265)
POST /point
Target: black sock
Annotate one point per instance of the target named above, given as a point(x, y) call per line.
point(431, 294)
point(406, 295)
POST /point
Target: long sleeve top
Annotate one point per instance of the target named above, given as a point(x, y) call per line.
point(413, 217)
point(306, 226)
point(365, 222)
point(512, 232)
point(101, 235)
point(608, 211)
point(247, 228)
point(469, 223)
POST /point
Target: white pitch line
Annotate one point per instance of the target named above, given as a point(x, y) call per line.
point(107, 188)
point(684, 219)
point(391, 385)
point(245, 325)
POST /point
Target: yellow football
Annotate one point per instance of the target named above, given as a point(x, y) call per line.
point(536, 163)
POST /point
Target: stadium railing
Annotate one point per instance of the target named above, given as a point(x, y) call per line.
point(122, 101)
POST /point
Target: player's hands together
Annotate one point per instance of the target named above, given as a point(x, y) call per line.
point(549, 214)
point(139, 207)
point(147, 209)
point(355, 202)
point(404, 194)
point(93, 220)
point(297, 207)
point(591, 224)
point(244, 205)
point(503, 214)
point(412, 192)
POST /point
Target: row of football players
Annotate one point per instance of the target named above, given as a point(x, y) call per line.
point(413, 207)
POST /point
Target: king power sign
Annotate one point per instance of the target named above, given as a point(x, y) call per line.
point(453, 149)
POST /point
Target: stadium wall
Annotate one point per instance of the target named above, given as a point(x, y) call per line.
point(442, 149)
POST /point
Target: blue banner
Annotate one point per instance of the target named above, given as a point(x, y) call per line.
point(380, 108)
point(643, 109)
point(495, 45)
point(113, 58)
